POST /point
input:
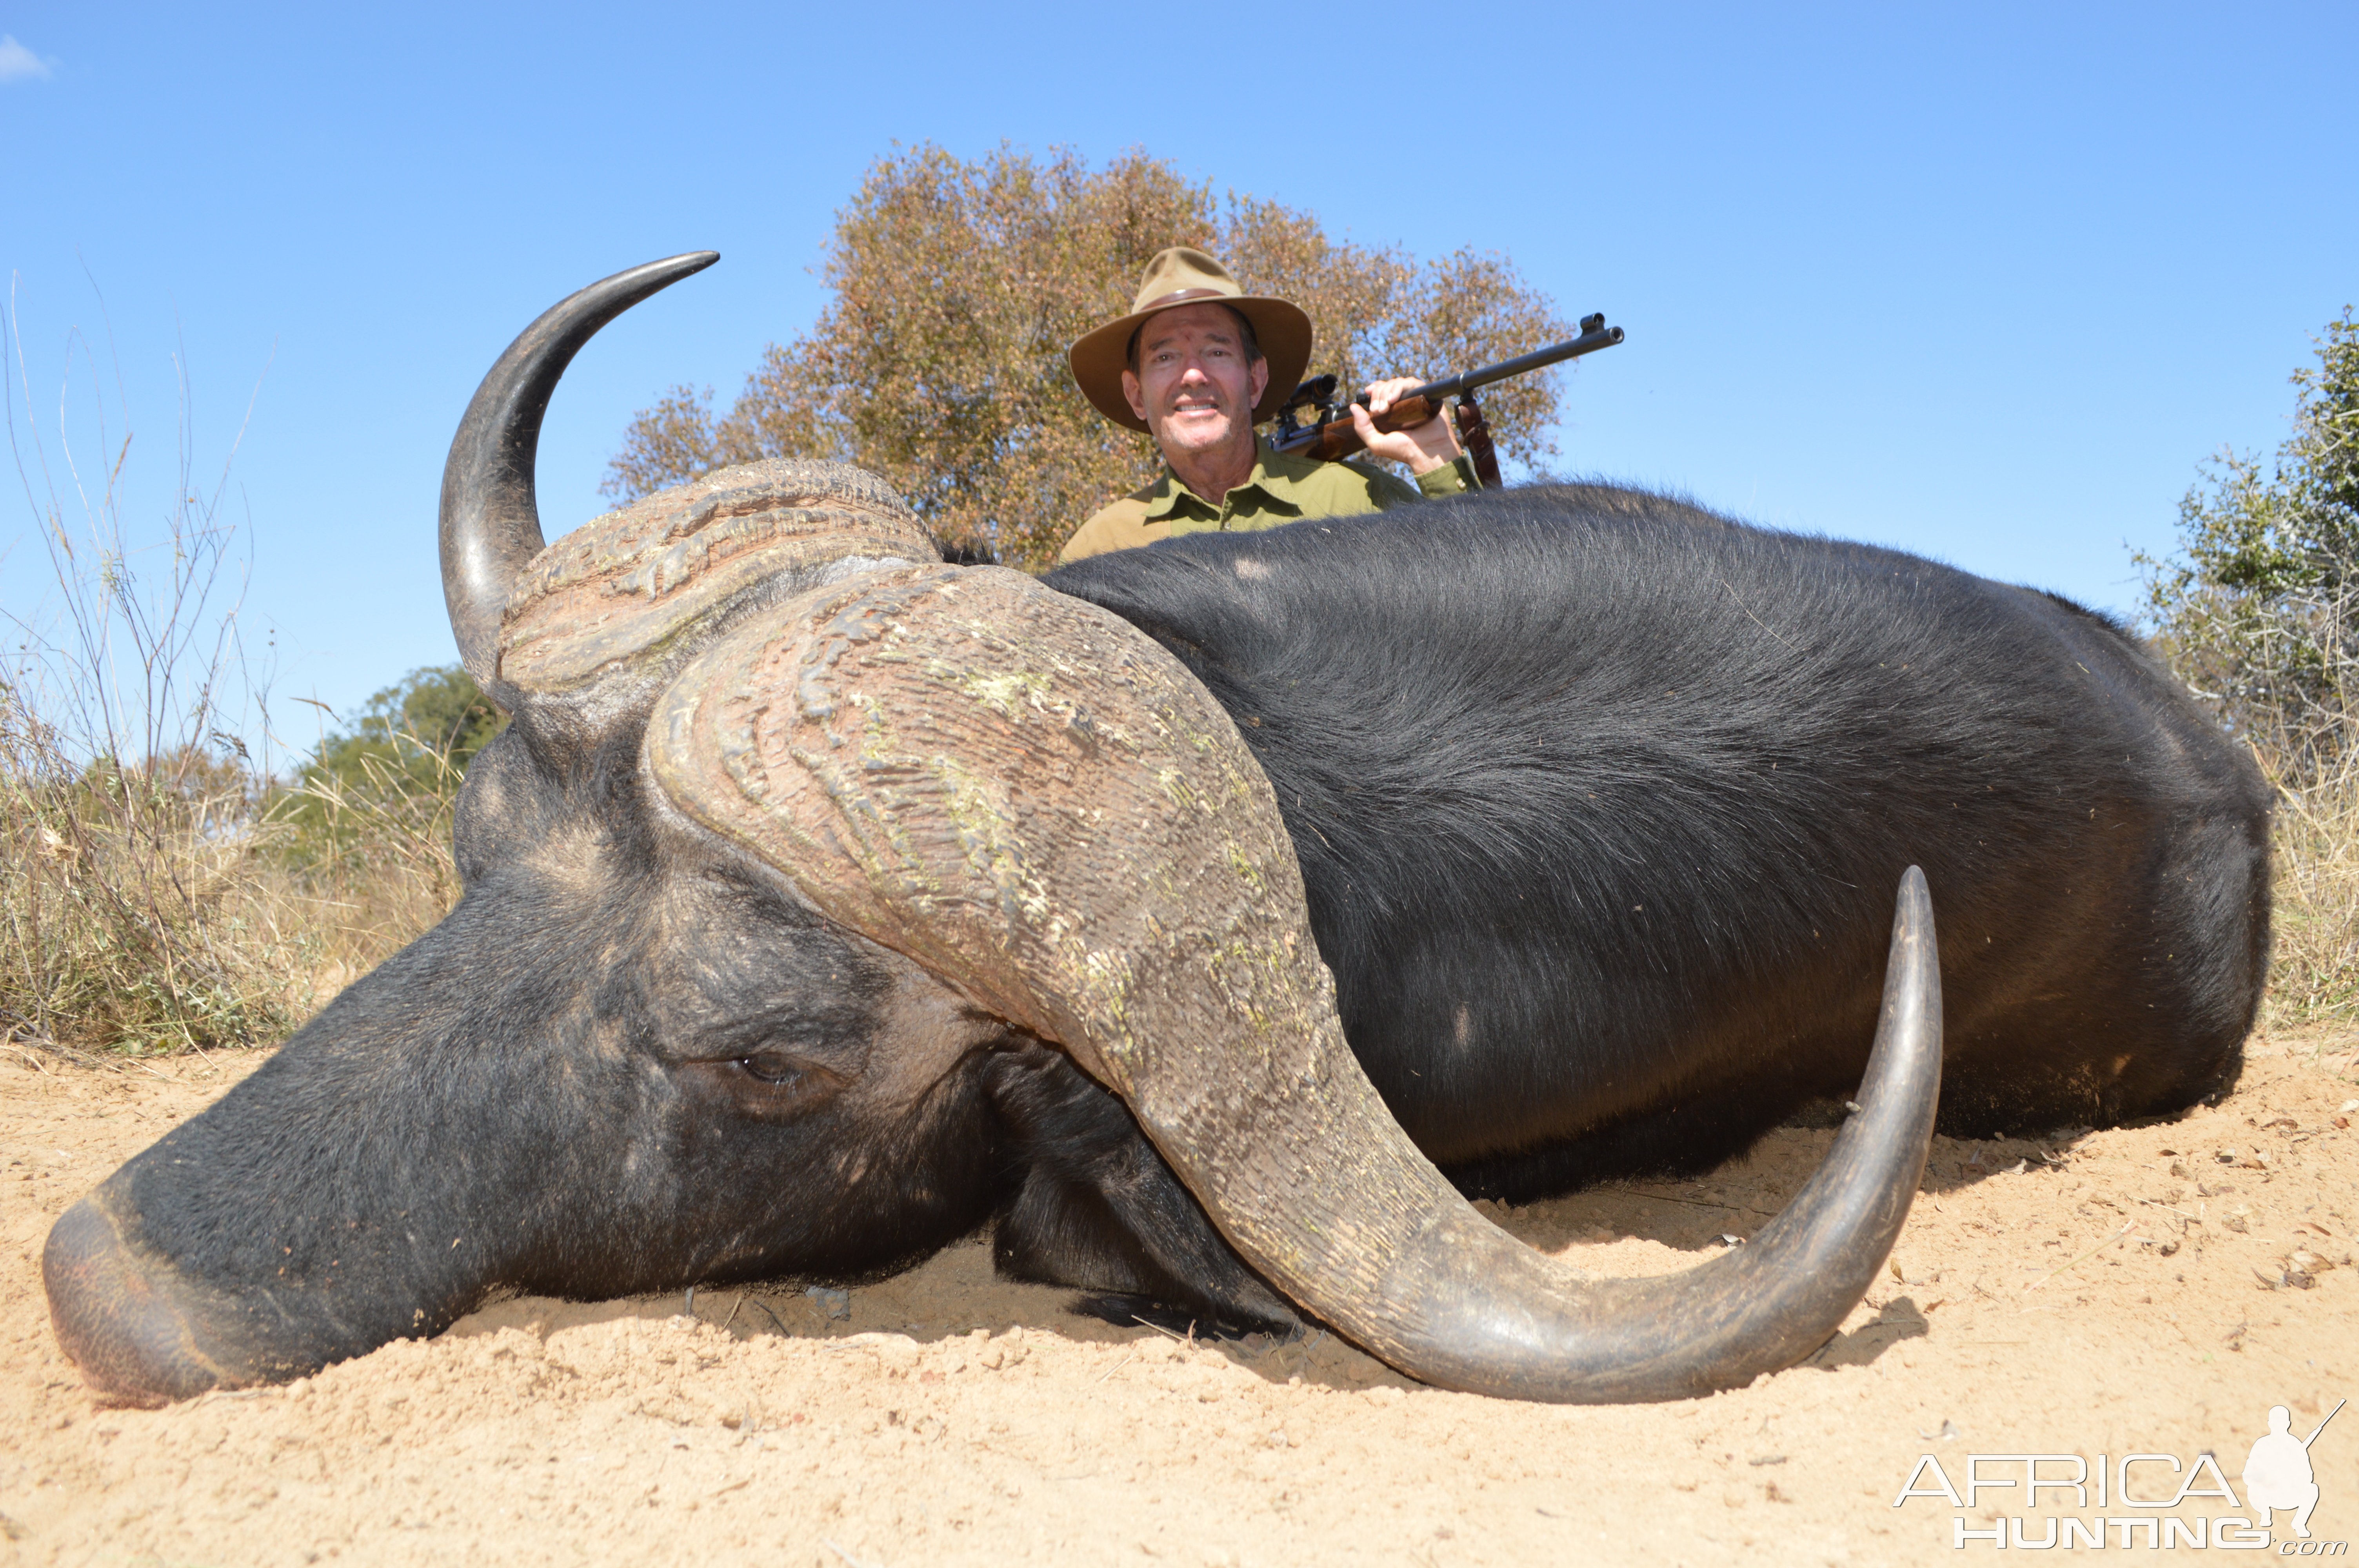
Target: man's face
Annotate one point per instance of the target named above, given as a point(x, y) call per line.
point(1193, 386)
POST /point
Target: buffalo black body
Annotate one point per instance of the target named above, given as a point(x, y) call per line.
point(1600, 801)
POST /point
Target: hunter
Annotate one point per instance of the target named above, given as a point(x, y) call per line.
point(1196, 365)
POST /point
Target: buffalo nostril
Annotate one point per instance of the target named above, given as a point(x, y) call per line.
point(119, 1316)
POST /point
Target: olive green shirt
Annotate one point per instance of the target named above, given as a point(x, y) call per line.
point(1283, 488)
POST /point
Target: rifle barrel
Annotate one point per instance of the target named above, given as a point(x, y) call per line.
point(1522, 364)
point(1322, 438)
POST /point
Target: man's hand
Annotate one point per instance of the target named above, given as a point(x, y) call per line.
point(1423, 447)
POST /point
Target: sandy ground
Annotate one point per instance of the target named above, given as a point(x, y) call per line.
point(2151, 1290)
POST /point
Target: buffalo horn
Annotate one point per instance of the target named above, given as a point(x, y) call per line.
point(1036, 802)
point(490, 522)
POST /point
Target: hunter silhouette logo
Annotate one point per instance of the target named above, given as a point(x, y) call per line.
point(2134, 1495)
point(2278, 1474)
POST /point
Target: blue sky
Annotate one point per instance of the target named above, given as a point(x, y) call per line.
point(1984, 283)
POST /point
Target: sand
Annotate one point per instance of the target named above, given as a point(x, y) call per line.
point(2147, 1290)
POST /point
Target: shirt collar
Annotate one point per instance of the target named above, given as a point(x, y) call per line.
point(1275, 474)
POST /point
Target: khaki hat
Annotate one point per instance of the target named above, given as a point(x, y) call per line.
point(1183, 276)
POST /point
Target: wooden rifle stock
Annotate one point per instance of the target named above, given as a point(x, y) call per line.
point(1339, 439)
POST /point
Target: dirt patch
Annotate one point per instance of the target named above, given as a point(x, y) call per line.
point(2150, 1290)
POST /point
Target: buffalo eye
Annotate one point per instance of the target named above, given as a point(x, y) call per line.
point(770, 1082)
point(770, 1068)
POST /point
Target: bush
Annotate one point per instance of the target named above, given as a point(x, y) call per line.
point(403, 755)
point(2258, 609)
point(365, 827)
point(2259, 613)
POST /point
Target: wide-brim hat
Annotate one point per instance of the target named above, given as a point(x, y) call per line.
point(1183, 276)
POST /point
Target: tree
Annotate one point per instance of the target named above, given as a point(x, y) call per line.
point(2259, 611)
point(939, 364)
point(404, 752)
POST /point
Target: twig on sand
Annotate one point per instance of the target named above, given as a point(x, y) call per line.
point(1117, 1367)
point(847, 1556)
point(211, 1395)
point(2127, 1227)
point(1695, 1202)
point(733, 1312)
point(2174, 1209)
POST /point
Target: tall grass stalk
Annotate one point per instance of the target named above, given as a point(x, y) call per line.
point(152, 898)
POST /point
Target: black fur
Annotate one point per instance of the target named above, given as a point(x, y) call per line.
point(1602, 801)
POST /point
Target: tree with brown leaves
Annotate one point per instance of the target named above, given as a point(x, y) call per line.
point(940, 363)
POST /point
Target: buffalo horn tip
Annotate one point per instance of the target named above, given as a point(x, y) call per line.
point(490, 521)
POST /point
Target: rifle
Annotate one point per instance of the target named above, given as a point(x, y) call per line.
point(1329, 434)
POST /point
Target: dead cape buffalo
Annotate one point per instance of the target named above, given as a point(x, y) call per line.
point(1209, 918)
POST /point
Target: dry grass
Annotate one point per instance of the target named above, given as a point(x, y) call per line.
point(127, 921)
point(2314, 969)
point(161, 889)
point(175, 906)
point(2283, 674)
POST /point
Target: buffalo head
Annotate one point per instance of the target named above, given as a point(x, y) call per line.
point(798, 835)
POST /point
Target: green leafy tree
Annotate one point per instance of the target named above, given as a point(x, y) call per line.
point(940, 362)
point(405, 751)
point(2259, 609)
